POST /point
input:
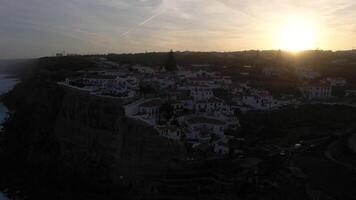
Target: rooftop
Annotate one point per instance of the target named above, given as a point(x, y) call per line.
point(211, 100)
point(152, 103)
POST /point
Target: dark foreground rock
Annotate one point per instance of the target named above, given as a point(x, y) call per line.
point(66, 136)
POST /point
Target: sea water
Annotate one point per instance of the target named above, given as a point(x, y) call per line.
point(7, 83)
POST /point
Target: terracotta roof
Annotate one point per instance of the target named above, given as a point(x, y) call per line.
point(152, 103)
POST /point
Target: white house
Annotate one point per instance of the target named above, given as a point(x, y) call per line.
point(97, 80)
point(188, 102)
point(170, 131)
point(199, 135)
point(350, 93)
point(227, 80)
point(118, 92)
point(232, 121)
point(256, 102)
point(236, 89)
point(209, 105)
point(185, 74)
point(197, 123)
point(201, 93)
point(336, 81)
point(317, 90)
point(177, 106)
point(221, 148)
point(121, 86)
point(150, 107)
point(204, 136)
point(264, 95)
point(204, 81)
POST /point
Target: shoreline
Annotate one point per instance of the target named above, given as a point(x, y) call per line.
point(7, 83)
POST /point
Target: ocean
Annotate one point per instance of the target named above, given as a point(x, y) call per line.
point(7, 83)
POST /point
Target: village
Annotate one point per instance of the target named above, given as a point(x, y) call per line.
point(189, 104)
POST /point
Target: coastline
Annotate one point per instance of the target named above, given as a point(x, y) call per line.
point(7, 83)
point(3, 111)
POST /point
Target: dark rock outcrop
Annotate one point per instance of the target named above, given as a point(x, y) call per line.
point(63, 135)
point(97, 139)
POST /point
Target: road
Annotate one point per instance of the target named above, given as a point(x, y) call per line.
point(326, 174)
point(328, 154)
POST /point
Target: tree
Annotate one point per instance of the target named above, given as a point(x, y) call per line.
point(171, 64)
point(166, 112)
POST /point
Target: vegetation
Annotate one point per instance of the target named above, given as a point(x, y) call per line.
point(37, 100)
point(308, 121)
point(171, 64)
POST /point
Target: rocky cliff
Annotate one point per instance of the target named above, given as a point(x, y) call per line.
point(66, 131)
point(96, 137)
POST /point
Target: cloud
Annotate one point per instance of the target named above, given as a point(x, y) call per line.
point(41, 27)
point(143, 22)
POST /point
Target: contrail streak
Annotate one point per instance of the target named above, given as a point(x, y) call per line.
point(143, 23)
point(251, 16)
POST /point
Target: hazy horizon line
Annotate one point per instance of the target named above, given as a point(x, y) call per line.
point(179, 51)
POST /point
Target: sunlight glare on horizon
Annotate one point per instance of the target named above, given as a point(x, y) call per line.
point(297, 34)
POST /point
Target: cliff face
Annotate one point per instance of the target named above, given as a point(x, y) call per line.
point(96, 138)
point(63, 130)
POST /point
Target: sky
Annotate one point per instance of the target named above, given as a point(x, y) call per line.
point(35, 28)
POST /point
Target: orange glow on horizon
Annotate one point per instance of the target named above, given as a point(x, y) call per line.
point(297, 34)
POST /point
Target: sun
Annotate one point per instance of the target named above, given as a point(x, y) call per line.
point(297, 34)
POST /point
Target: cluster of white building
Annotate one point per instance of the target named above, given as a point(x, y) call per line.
point(321, 89)
point(317, 90)
point(186, 105)
point(197, 115)
point(106, 83)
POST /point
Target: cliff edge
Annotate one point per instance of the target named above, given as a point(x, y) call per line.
point(61, 131)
